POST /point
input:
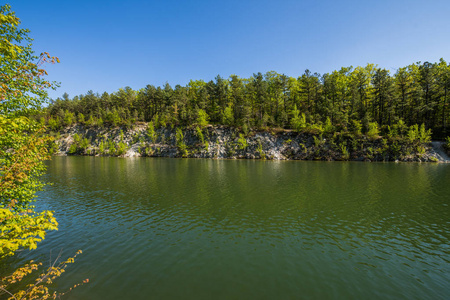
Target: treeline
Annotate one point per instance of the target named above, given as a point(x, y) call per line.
point(350, 97)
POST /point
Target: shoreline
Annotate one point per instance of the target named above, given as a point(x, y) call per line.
point(222, 142)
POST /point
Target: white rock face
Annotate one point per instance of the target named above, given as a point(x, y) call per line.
point(224, 143)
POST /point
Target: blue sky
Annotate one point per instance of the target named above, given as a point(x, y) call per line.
point(107, 45)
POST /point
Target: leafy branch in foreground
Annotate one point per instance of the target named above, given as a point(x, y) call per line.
point(38, 289)
point(23, 230)
point(23, 150)
point(23, 147)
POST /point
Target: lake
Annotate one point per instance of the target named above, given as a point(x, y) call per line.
point(156, 228)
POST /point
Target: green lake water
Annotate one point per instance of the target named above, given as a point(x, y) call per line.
point(242, 229)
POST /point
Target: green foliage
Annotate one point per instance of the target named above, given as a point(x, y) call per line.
point(303, 147)
point(260, 150)
point(245, 129)
point(84, 144)
point(161, 121)
point(76, 138)
point(156, 121)
point(298, 122)
point(73, 149)
point(242, 142)
point(265, 120)
point(373, 131)
point(81, 118)
point(420, 149)
point(199, 134)
point(90, 121)
point(53, 124)
point(418, 134)
point(230, 149)
point(228, 116)
point(151, 132)
point(135, 138)
point(370, 152)
point(317, 142)
point(112, 117)
point(356, 127)
point(69, 118)
point(23, 148)
point(314, 129)
point(179, 136)
point(202, 118)
point(149, 151)
point(401, 127)
point(328, 127)
point(413, 133)
point(122, 148)
point(22, 151)
point(182, 148)
point(79, 146)
point(348, 99)
point(23, 230)
point(102, 147)
point(23, 86)
point(395, 149)
point(344, 151)
point(392, 132)
point(424, 135)
point(111, 148)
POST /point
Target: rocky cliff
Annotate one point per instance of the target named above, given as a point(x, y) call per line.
point(225, 142)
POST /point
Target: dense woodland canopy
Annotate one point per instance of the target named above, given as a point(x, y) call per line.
point(415, 94)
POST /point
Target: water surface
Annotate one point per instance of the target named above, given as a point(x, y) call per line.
point(227, 229)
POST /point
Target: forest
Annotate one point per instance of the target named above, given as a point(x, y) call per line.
point(349, 99)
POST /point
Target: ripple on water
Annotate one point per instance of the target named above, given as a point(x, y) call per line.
point(243, 229)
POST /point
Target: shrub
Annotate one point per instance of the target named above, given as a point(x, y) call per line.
point(424, 135)
point(111, 148)
point(344, 151)
point(373, 132)
point(259, 149)
point(245, 129)
point(69, 118)
point(413, 133)
point(81, 118)
point(102, 147)
point(122, 148)
point(84, 144)
point(199, 134)
point(228, 116)
point(90, 121)
point(73, 149)
point(392, 132)
point(328, 127)
point(356, 127)
point(202, 118)
point(317, 142)
point(182, 148)
point(151, 132)
point(298, 122)
point(100, 122)
point(242, 142)
point(53, 124)
point(447, 143)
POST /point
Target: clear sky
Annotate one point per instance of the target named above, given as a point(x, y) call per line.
point(106, 45)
